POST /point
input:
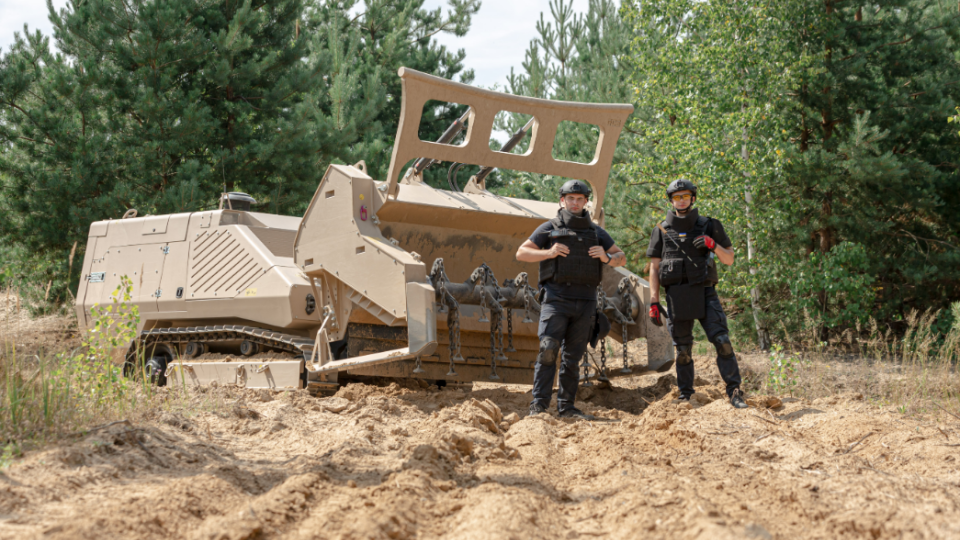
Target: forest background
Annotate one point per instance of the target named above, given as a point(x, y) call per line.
point(818, 132)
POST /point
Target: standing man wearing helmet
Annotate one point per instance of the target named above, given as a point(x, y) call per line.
point(681, 254)
point(571, 250)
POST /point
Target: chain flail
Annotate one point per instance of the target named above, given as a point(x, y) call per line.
point(449, 305)
point(601, 307)
point(624, 289)
point(453, 329)
point(510, 331)
point(585, 367)
point(626, 342)
point(603, 354)
point(493, 346)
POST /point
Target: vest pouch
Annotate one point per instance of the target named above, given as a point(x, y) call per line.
point(712, 277)
point(671, 272)
point(687, 302)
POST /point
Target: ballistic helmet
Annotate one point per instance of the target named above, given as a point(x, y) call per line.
point(575, 186)
point(681, 184)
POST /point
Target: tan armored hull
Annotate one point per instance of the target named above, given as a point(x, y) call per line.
point(389, 278)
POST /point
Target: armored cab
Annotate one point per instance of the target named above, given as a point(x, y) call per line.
point(388, 277)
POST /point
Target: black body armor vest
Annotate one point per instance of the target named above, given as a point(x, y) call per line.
point(579, 234)
point(681, 261)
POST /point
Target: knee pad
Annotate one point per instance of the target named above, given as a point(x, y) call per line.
point(549, 348)
point(723, 345)
point(684, 354)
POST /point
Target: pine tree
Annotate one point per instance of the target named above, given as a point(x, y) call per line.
point(159, 106)
point(580, 58)
point(831, 116)
point(387, 35)
point(873, 165)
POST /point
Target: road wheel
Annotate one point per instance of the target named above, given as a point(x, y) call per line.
point(249, 348)
point(157, 356)
point(194, 349)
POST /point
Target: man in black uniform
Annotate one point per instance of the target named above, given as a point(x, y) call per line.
point(571, 250)
point(681, 255)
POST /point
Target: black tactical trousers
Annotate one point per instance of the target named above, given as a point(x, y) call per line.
point(714, 324)
point(565, 323)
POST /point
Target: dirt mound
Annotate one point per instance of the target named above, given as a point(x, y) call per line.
point(393, 461)
point(30, 336)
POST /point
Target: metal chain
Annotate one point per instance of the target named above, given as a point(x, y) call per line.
point(510, 331)
point(601, 307)
point(449, 305)
point(603, 355)
point(585, 366)
point(493, 349)
point(483, 308)
point(500, 355)
point(626, 343)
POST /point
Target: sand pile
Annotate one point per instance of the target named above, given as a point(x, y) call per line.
point(392, 462)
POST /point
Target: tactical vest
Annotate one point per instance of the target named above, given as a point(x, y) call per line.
point(578, 267)
point(681, 260)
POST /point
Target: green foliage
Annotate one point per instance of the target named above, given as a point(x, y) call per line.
point(44, 396)
point(10, 452)
point(809, 128)
point(835, 285)
point(162, 105)
point(579, 58)
point(784, 372)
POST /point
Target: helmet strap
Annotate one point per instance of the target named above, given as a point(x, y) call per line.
point(685, 211)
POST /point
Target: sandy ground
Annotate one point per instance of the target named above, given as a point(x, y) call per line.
point(390, 462)
point(26, 336)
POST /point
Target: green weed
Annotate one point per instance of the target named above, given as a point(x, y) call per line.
point(43, 397)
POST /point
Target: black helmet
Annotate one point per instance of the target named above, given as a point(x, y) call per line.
point(575, 186)
point(681, 184)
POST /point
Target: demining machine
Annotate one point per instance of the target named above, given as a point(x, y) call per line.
point(385, 278)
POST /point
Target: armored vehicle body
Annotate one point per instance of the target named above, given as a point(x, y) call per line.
point(390, 277)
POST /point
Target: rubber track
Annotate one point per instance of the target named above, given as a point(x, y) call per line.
point(209, 334)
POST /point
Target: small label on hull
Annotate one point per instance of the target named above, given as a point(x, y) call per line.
point(250, 292)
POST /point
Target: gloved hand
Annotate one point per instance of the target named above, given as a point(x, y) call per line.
point(655, 310)
point(704, 241)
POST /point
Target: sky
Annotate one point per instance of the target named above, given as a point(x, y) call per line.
point(498, 37)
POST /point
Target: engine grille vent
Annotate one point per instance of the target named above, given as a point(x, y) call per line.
point(220, 266)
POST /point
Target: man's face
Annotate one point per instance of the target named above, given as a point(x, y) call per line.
point(573, 202)
point(682, 200)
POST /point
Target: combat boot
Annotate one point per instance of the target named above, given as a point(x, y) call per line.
point(574, 412)
point(736, 399)
point(536, 409)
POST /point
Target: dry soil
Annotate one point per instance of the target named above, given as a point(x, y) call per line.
point(393, 462)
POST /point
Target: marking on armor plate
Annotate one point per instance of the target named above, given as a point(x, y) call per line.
point(361, 196)
point(250, 292)
point(96, 277)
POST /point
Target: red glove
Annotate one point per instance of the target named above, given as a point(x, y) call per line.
point(655, 310)
point(704, 241)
